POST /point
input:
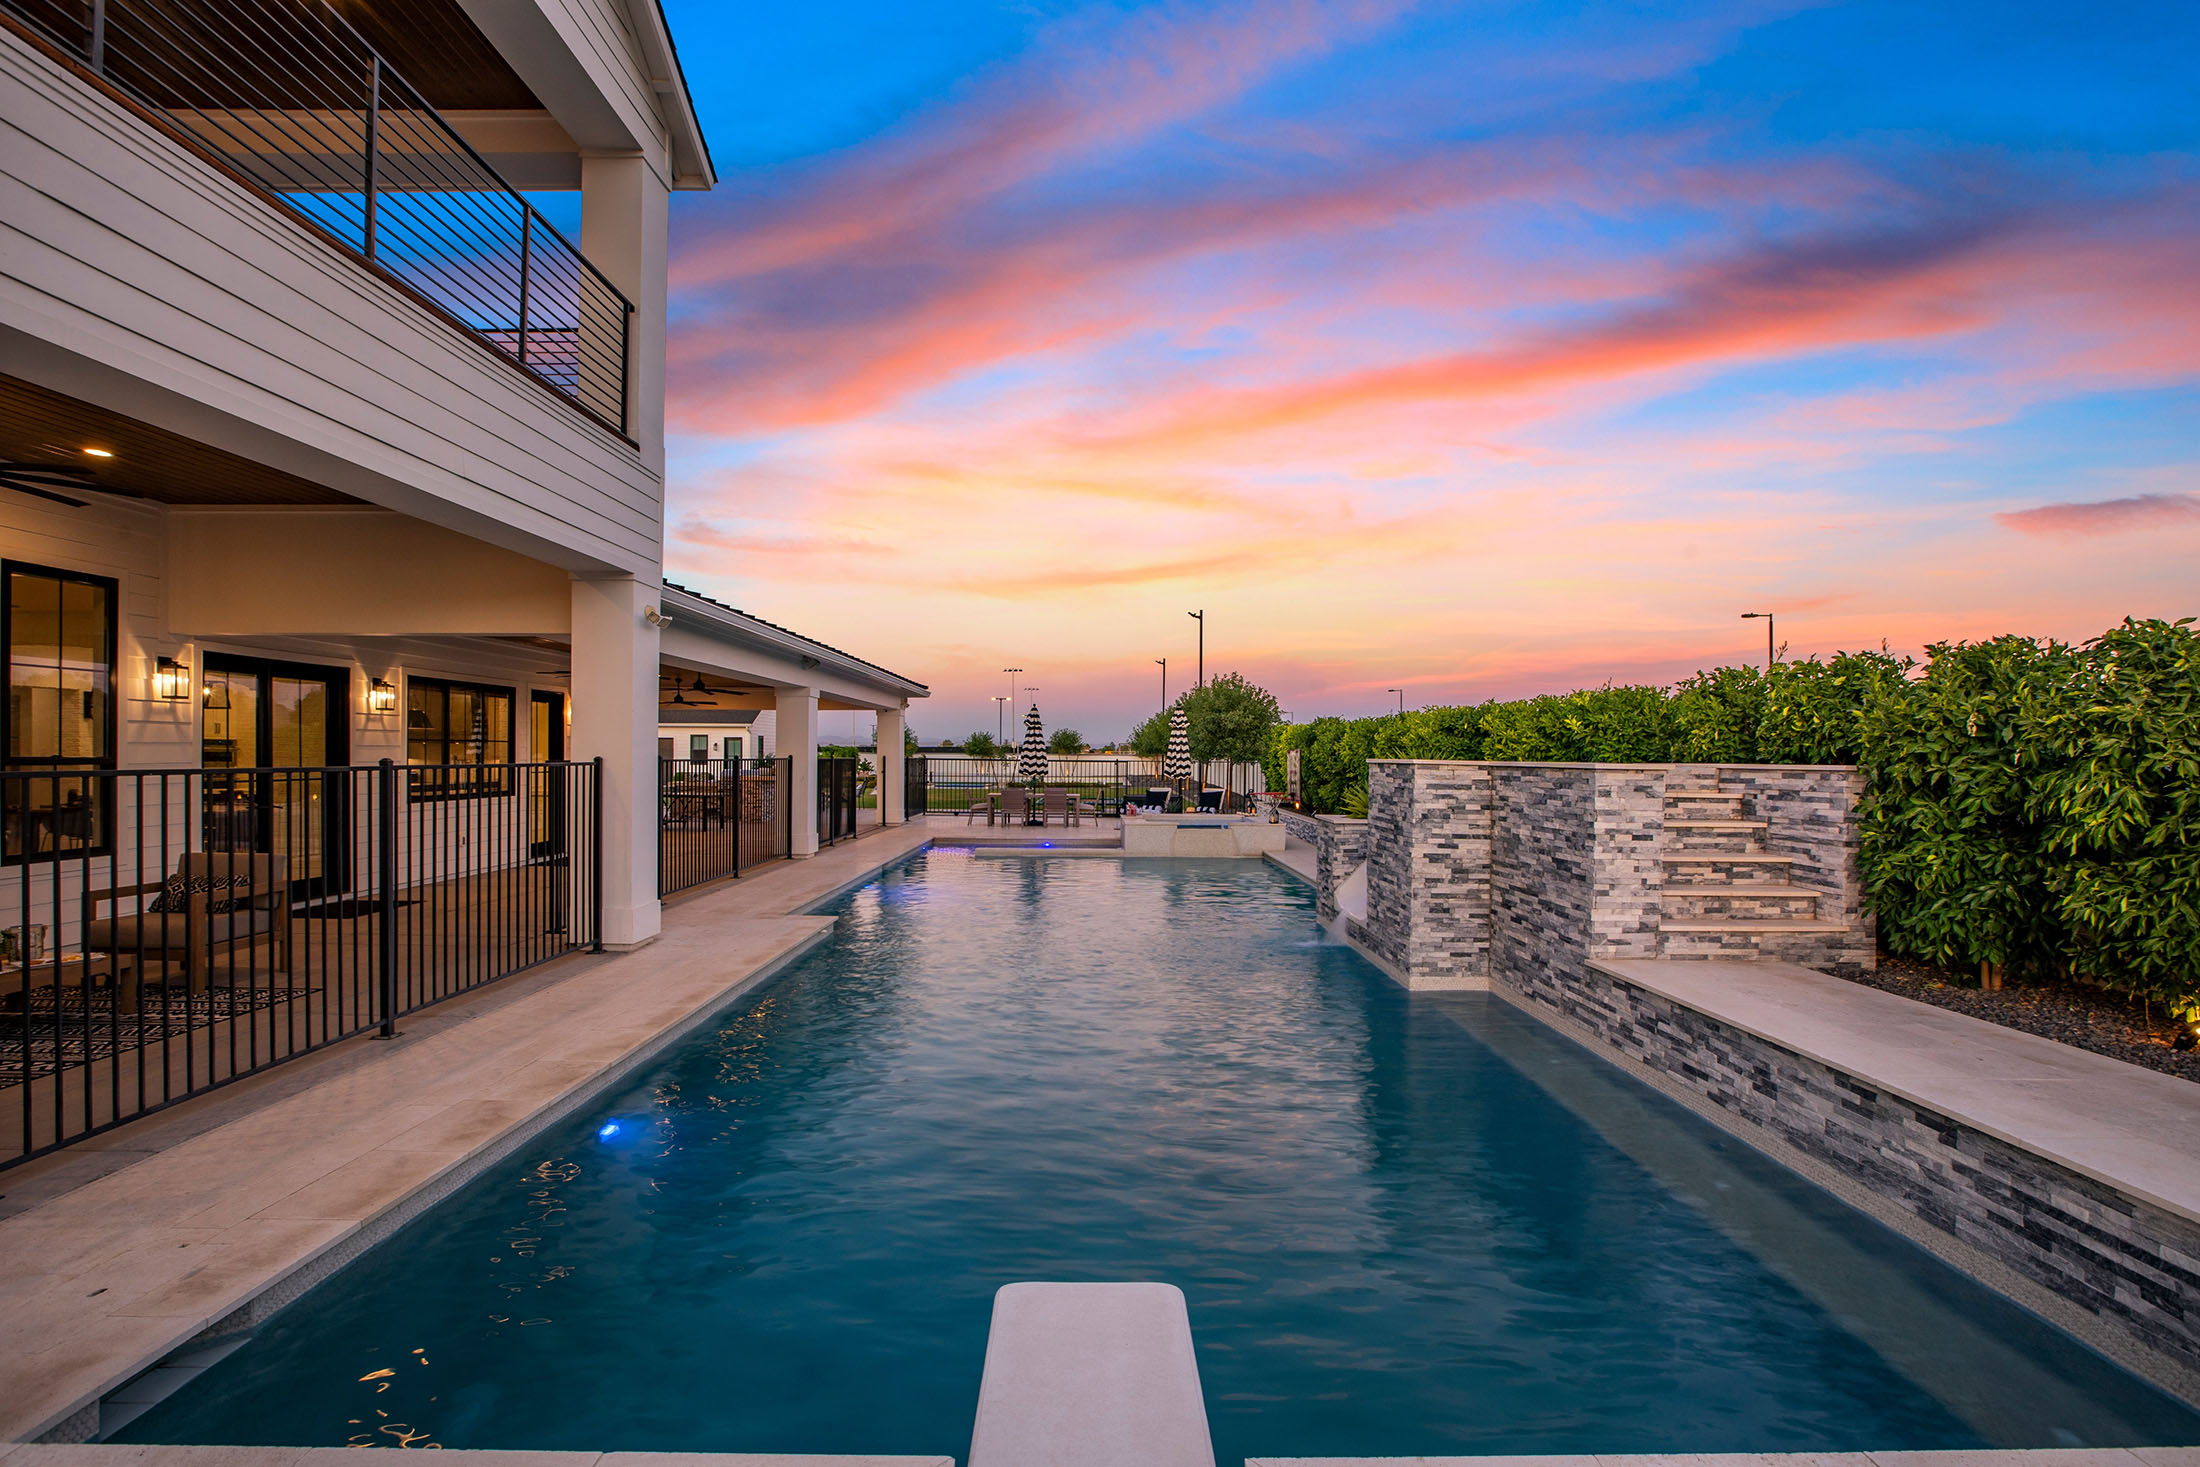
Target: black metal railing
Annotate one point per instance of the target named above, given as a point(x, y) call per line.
point(288, 95)
point(839, 789)
point(163, 932)
point(915, 777)
point(718, 817)
point(953, 783)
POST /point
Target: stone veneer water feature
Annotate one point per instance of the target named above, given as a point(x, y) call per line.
point(1564, 887)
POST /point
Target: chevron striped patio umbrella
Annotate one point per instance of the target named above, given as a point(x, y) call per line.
point(1178, 764)
point(1031, 761)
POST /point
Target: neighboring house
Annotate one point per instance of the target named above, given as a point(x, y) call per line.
point(700, 735)
point(320, 446)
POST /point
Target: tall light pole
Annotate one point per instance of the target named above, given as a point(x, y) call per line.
point(1000, 717)
point(1201, 618)
point(1163, 664)
point(1771, 652)
point(1012, 672)
point(1401, 692)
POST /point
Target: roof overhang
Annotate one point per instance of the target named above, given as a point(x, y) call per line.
point(691, 165)
point(803, 660)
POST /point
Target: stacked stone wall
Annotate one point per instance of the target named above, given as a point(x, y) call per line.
point(1627, 839)
point(1542, 867)
point(1811, 815)
point(1340, 846)
point(1428, 870)
point(2133, 1267)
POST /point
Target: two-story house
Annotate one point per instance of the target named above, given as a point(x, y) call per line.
point(332, 433)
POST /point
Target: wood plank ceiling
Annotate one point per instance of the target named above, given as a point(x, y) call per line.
point(42, 427)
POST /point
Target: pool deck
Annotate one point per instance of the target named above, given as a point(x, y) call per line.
point(20, 1455)
point(204, 1218)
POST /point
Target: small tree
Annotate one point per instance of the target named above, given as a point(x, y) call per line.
point(1230, 718)
point(1065, 741)
point(1150, 740)
point(981, 746)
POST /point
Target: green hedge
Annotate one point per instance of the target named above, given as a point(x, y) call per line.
point(2031, 804)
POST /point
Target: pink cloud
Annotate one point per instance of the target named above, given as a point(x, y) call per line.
point(2106, 516)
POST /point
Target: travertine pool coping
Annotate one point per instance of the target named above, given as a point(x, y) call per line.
point(103, 1279)
point(1999, 1457)
point(2134, 1129)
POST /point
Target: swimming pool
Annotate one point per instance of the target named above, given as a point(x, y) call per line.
point(1404, 1225)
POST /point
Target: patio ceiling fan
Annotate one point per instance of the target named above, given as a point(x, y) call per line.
point(47, 480)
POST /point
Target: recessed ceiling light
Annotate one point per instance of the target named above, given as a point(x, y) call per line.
point(99, 452)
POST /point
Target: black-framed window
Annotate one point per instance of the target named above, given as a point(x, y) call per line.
point(464, 727)
point(58, 629)
point(698, 748)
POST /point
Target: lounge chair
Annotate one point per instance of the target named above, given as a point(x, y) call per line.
point(192, 936)
point(1210, 802)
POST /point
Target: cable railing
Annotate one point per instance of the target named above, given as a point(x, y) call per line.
point(287, 94)
point(164, 932)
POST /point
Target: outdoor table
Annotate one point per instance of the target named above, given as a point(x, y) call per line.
point(74, 973)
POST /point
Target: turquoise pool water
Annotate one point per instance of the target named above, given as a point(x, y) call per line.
point(1404, 1225)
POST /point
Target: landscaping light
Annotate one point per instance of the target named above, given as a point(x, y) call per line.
point(381, 696)
point(171, 680)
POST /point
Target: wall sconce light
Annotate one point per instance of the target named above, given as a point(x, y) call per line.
point(171, 680)
point(381, 696)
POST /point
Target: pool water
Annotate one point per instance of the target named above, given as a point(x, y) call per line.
point(1404, 1224)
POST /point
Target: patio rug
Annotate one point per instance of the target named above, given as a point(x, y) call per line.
point(65, 1040)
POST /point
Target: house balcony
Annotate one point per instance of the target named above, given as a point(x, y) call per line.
point(289, 238)
point(294, 101)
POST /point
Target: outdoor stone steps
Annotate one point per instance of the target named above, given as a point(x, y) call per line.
point(1708, 926)
point(1738, 858)
point(1724, 893)
point(1684, 905)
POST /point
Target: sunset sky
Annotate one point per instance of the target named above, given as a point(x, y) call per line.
point(1474, 349)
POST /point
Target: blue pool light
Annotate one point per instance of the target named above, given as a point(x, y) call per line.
point(607, 1130)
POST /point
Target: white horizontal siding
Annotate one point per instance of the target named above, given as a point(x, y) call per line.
point(122, 247)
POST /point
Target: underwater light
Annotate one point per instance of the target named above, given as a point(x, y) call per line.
point(607, 1130)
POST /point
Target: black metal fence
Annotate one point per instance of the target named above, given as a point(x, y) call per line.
point(288, 95)
point(953, 783)
point(915, 783)
point(719, 817)
point(169, 931)
point(839, 788)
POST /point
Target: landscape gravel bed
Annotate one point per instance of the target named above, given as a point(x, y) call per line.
point(2088, 1018)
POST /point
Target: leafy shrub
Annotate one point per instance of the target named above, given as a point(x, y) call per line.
point(2118, 797)
point(2029, 804)
point(1953, 857)
point(1714, 717)
point(1813, 712)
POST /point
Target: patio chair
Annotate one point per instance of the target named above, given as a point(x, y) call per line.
point(194, 934)
point(1013, 804)
point(1210, 802)
point(1054, 804)
point(982, 803)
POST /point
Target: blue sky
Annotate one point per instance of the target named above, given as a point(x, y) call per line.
point(1478, 349)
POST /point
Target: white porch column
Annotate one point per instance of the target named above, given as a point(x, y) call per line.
point(892, 761)
point(615, 716)
point(795, 738)
point(624, 208)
